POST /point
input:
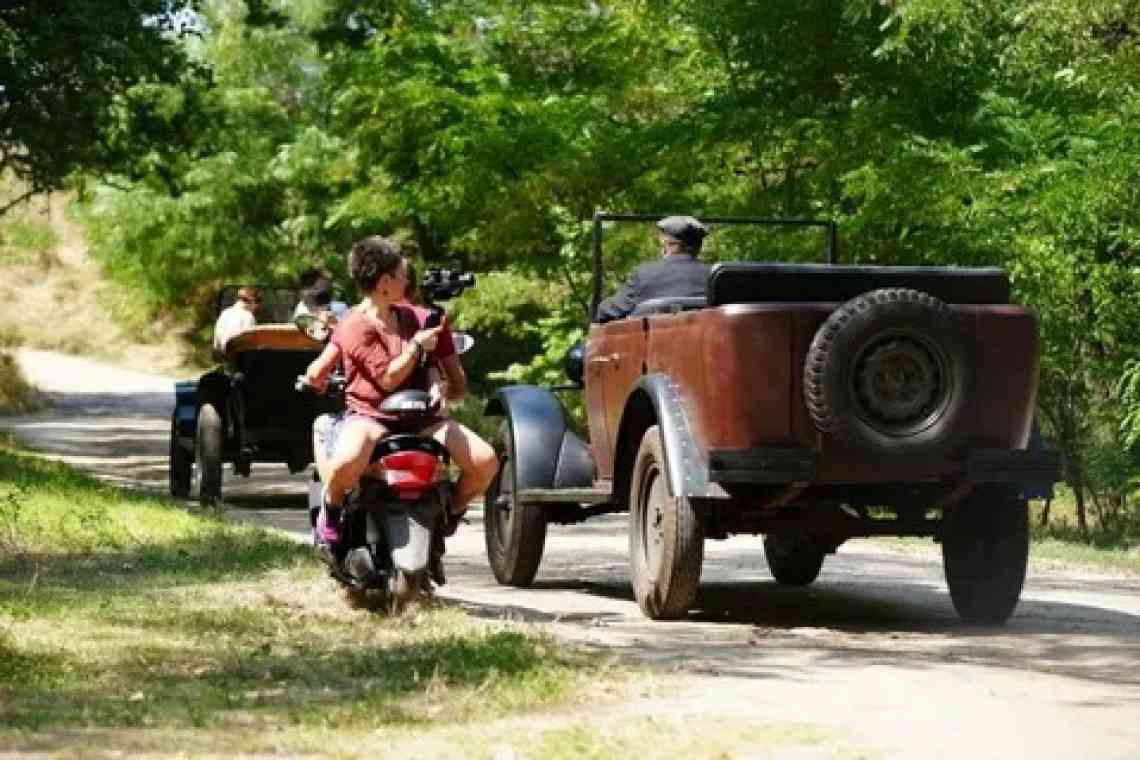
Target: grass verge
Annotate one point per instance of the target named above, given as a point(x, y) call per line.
point(131, 621)
point(1052, 546)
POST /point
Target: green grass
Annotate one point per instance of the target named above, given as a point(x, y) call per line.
point(1057, 545)
point(120, 612)
point(25, 241)
point(1046, 553)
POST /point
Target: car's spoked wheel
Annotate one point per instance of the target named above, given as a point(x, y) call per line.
point(181, 465)
point(985, 548)
point(665, 539)
point(514, 533)
point(208, 448)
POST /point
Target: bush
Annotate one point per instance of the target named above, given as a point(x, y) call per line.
point(15, 393)
point(502, 313)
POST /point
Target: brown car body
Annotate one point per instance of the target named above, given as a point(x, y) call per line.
point(917, 422)
point(737, 372)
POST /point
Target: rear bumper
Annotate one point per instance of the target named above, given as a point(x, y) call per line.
point(762, 465)
point(1034, 468)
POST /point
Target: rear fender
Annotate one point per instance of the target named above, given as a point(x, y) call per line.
point(214, 388)
point(656, 400)
point(408, 529)
point(547, 453)
point(185, 408)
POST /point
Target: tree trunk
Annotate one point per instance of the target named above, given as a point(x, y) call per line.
point(1077, 481)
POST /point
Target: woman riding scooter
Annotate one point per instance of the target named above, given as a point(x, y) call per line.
point(381, 343)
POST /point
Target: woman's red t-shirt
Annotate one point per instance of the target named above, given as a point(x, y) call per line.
point(366, 354)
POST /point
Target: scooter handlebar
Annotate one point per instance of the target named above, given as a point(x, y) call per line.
point(336, 384)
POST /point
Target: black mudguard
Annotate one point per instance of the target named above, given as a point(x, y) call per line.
point(186, 408)
point(547, 453)
point(214, 388)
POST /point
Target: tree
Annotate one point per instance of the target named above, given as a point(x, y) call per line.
point(65, 65)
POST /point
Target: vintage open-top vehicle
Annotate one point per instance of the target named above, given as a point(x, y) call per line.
point(246, 410)
point(812, 403)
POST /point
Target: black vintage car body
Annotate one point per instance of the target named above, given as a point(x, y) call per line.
point(246, 410)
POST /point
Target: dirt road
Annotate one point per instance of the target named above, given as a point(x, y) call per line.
point(871, 654)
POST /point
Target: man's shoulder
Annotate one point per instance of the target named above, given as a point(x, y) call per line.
point(671, 265)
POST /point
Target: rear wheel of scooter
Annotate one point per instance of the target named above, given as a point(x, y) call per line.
point(515, 533)
point(666, 543)
point(181, 466)
point(208, 449)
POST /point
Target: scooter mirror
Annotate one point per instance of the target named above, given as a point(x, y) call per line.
point(463, 342)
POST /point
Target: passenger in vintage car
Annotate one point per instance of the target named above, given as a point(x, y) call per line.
point(317, 297)
point(678, 273)
point(239, 316)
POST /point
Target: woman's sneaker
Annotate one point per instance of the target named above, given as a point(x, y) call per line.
point(328, 524)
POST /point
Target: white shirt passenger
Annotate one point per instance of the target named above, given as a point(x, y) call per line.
point(233, 320)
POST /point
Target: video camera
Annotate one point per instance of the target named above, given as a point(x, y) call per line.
point(441, 284)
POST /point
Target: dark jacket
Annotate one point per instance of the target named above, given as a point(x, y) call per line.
point(676, 275)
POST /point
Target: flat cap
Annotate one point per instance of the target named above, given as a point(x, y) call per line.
point(687, 229)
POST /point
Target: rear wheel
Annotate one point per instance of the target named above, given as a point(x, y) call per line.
point(666, 543)
point(985, 547)
point(209, 446)
point(515, 533)
point(793, 560)
point(181, 465)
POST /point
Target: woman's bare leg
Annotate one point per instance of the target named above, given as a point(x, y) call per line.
point(354, 448)
point(474, 457)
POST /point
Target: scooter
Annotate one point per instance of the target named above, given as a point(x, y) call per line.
point(391, 545)
point(392, 534)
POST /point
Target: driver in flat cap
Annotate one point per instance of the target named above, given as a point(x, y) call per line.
point(678, 273)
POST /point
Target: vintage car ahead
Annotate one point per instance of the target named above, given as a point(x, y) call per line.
point(246, 410)
point(812, 403)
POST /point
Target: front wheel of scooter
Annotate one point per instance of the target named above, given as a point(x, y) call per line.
point(407, 588)
point(515, 533)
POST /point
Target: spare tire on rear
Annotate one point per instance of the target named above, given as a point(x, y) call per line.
point(889, 373)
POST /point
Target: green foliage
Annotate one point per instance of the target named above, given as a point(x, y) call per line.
point(487, 132)
point(66, 68)
point(501, 313)
point(1128, 390)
